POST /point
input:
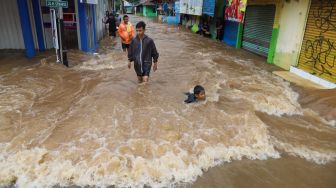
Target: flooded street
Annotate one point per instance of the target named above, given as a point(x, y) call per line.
point(93, 124)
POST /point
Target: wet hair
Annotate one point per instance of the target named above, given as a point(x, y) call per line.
point(125, 16)
point(198, 89)
point(141, 24)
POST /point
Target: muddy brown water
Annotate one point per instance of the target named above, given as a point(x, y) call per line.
point(93, 125)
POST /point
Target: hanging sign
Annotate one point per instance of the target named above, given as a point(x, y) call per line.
point(235, 10)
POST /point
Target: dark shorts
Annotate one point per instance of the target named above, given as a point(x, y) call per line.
point(112, 33)
point(144, 70)
point(124, 46)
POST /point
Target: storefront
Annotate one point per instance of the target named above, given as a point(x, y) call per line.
point(146, 8)
point(18, 28)
point(87, 25)
point(26, 25)
point(70, 25)
point(234, 17)
point(252, 25)
point(175, 17)
point(208, 12)
point(318, 51)
point(258, 27)
point(191, 11)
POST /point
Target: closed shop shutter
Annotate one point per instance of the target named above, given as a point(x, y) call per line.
point(258, 26)
point(318, 51)
point(10, 26)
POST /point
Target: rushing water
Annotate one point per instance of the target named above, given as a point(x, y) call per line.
point(93, 124)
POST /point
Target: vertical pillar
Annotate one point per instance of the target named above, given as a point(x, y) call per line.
point(94, 27)
point(240, 35)
point(272, 48)
point(38, 24)
point(82, 26)
point(26, 28)
point(275, 34)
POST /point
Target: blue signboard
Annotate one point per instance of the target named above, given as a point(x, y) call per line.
point(209, 7)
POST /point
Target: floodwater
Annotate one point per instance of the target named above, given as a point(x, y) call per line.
point(93, 125)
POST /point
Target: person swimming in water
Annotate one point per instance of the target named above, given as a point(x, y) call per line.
point(198, 95)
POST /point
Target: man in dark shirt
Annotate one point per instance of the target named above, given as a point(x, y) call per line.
point(142, 52)
point(112, 25)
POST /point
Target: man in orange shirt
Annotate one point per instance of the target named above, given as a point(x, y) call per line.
point(126, 33)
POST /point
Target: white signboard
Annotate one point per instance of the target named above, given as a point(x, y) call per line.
point(192, 7)
point(184, 6)
point(89, 1)
point(198, 6)
point(195, 7)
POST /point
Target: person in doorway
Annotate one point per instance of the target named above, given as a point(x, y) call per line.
point(142, 52)
point(206, 30)
point(198, 95)
point(112, 25)
point(219, 29)
point(126, 33)
point(200, 28)
point(106, 17)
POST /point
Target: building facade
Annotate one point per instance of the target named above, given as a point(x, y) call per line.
point(26, 25)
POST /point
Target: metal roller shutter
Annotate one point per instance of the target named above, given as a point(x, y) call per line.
point(318, 51)
point(258, 26)
point(10, 26)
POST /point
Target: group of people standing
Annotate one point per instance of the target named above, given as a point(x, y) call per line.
point(140, 48)
point(125, 29)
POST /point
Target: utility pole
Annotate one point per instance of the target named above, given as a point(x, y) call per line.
point(63, 48)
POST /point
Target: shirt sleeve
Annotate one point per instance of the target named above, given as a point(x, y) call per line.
point(130, 51)
point(155, 54)
point(120, 31)
point(132, 32)
point(190, 99)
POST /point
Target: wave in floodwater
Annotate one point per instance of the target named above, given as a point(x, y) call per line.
point(94, 125)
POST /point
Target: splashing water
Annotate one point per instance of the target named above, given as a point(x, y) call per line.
point(92, 124)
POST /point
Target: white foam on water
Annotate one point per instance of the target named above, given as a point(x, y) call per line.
point(28, 169)
point(266, 92)
point(103, 62)
point(310, 112)
point(314, 155)
point(39, 167)
point(95, 65)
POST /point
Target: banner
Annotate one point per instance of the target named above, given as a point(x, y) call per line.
point(192, 7)
point(183, 6)
point(209, 7)
point(235, 10)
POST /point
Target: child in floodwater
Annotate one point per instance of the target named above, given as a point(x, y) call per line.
point(198, 95)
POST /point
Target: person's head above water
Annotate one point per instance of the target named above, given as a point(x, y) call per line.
point(125, 18)
point(199, 92)
point(140, 28)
